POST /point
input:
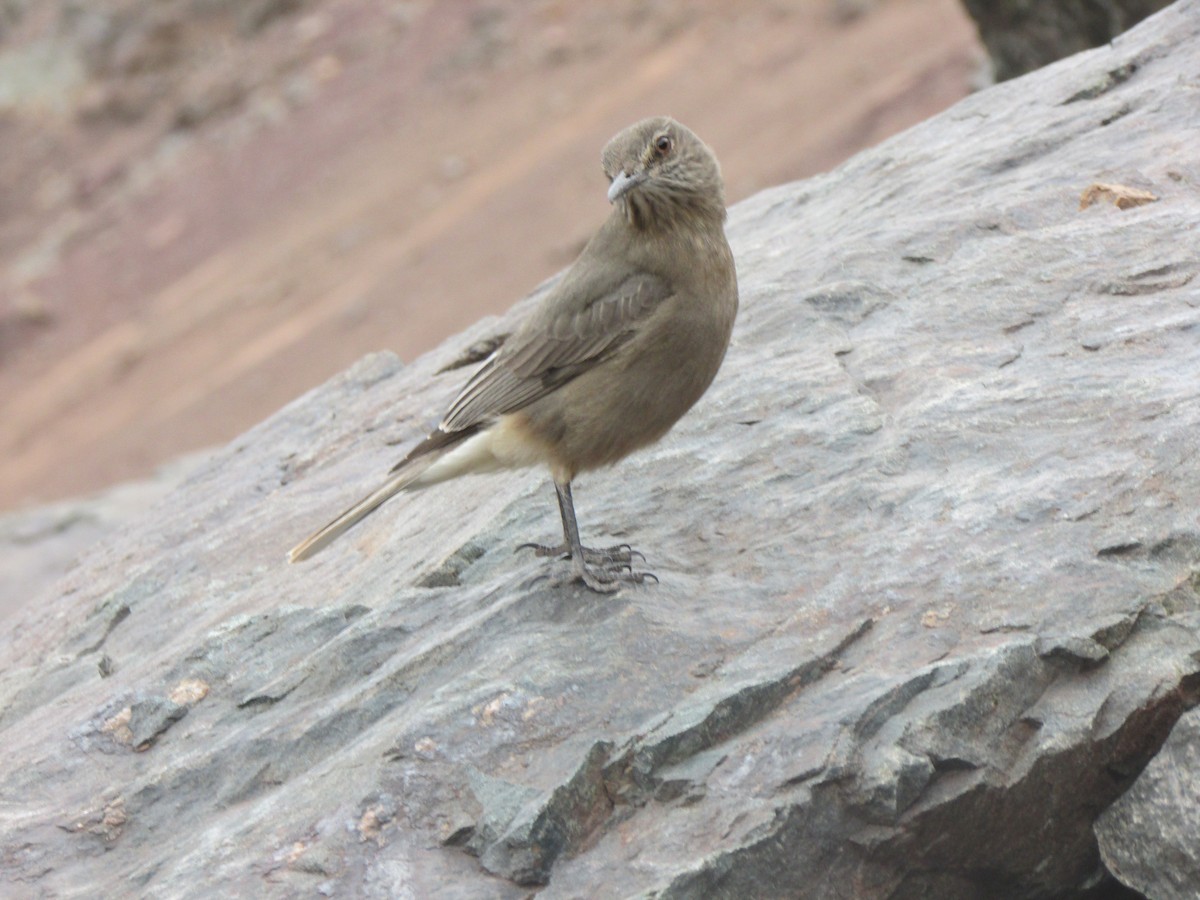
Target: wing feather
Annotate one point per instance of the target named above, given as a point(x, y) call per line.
point(545, 354)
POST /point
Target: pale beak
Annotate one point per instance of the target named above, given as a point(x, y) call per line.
point(623, 183)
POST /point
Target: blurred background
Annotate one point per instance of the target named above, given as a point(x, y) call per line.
point(210, 206)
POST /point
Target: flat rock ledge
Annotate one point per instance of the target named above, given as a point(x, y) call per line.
point(927, 623)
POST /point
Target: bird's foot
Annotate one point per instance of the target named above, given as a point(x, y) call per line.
point(602, 581)
point(603, 571)
point(607, 580)
point(606, 557)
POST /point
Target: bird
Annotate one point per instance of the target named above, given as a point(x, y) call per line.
point(624, 344)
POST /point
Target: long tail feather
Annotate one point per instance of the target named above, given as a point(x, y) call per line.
point(317, 542)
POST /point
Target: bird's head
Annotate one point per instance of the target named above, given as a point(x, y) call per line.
point(659, 170)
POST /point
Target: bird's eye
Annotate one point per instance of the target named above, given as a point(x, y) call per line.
point(662, 145)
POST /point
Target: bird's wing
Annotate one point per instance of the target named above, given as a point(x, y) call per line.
point(564, 338)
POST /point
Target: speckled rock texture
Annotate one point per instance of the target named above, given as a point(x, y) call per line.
point(1151, 836)
point(928, 555)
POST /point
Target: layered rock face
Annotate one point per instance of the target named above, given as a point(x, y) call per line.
point(929, 562)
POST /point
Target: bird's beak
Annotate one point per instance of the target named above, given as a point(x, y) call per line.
point(623, 183)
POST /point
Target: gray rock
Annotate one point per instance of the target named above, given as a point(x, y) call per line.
point(1021, 36)
point(1151, 836)
point(928, 556)
point(38, 545)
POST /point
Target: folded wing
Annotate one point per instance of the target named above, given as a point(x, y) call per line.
point(548, 352)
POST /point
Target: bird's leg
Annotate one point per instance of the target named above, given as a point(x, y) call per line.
point(608, 582)
point(604, 582)
point(619, 555)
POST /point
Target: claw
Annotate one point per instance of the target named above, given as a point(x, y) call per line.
point(603, 571)
point(606, 578)
point(611, 581)
point(621, 554)
point(598, 585)
point(544, 550)
point(626, 551)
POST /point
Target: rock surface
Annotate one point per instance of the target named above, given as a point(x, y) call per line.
point(928, 553)
point(1021, 36)
point(38, 545)
point(1151, 836)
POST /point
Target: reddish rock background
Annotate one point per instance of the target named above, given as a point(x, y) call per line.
point(210, 207)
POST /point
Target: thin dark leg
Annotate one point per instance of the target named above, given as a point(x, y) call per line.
point(620, 555)
point(607, 580)
point(566, 508)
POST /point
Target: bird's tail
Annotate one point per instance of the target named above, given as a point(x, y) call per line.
point(404, 477)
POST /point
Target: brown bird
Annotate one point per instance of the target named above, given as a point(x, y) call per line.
point(621, 347)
